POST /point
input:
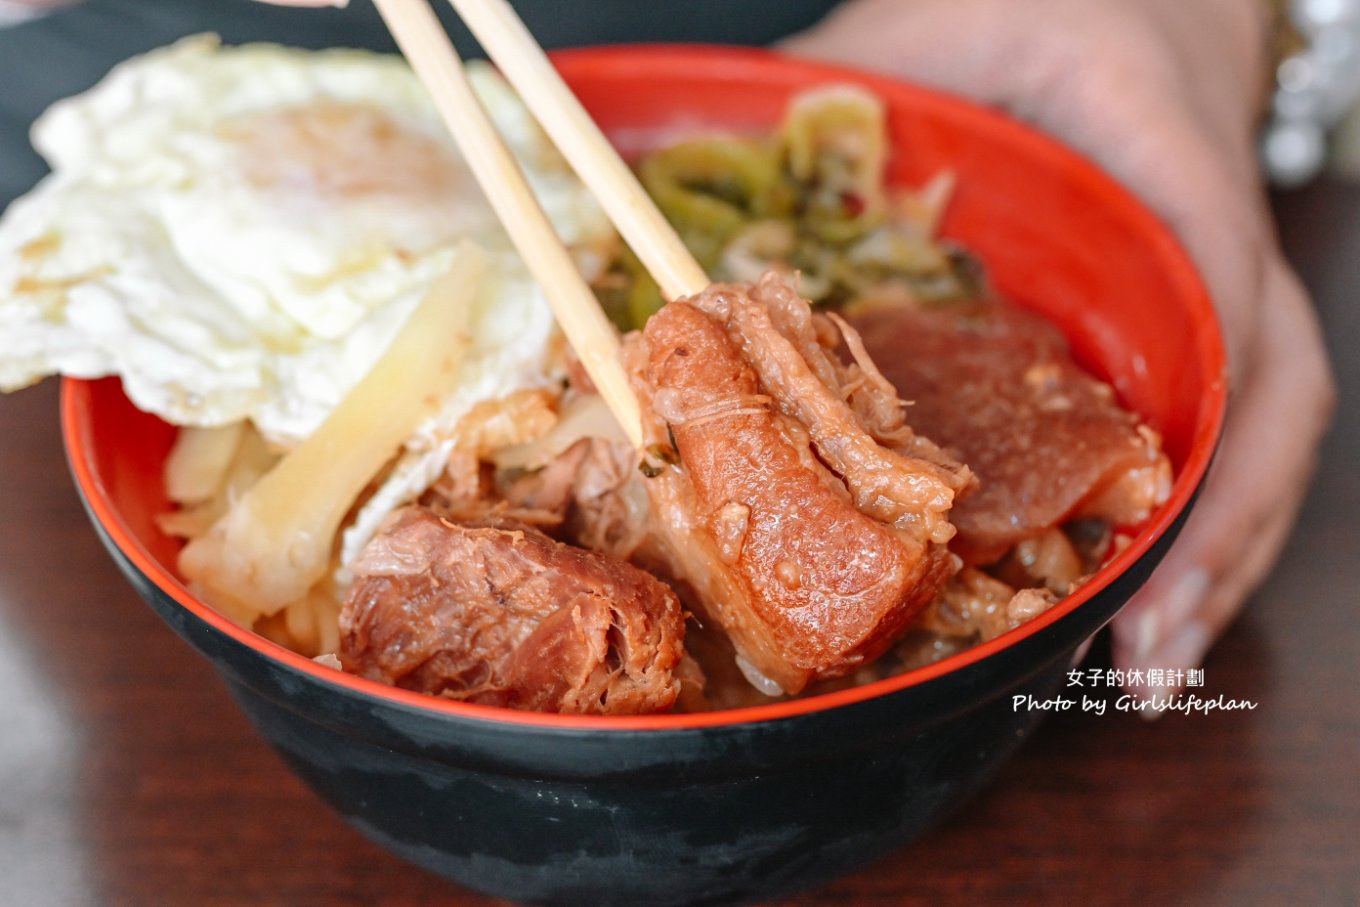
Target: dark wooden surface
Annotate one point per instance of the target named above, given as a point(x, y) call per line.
point(127, 777)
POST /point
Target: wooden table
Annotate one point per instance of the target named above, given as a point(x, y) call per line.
point(128, 777)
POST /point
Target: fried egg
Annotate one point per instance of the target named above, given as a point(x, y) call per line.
point(238, 232)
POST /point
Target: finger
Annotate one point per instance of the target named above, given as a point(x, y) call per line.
point(1251, 498)
point(1180, 637)
point(1185, 647)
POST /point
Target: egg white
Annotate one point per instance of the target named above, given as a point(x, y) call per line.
point(238, 232)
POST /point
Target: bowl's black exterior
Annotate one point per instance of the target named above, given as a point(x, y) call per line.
point(713, 815)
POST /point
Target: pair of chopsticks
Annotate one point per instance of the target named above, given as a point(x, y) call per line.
point(507, 41)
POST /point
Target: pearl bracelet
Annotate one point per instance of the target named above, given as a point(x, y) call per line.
point(1315, 86)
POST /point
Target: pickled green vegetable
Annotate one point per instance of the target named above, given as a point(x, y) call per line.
point(810, 199)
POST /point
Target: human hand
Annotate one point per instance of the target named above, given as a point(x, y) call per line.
point(1165, 96)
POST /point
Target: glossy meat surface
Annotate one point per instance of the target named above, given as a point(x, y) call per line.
point(498, 613)
point(808, 539)
point(998, 388)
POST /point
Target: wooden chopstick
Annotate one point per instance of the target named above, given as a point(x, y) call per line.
point(508, 42)
point(421, 37)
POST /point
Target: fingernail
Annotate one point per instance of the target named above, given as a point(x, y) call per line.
point(1181, 652)
point(1184, 597)
point(1150, 715)
point(1172, 609)
point(1144, 693)
point(1184, 650)
point(1147, 631)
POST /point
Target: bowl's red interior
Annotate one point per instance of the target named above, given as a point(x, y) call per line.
point(1054, 233)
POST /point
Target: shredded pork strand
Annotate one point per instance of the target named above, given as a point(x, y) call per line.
point(493, 611)
point(914, 495)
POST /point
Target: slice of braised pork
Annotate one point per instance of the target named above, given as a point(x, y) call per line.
point(998, 388)
point(808, 520)
point(497, 613)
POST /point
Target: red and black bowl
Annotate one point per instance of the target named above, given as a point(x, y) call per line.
point(754, 803)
